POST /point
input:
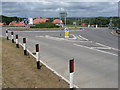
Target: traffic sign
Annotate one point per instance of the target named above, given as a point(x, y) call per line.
point(74, 23)
point(63, 14)
point(25, 19)
point(66, 32)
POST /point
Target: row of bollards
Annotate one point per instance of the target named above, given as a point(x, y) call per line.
point(24, 47)
point(71, 62)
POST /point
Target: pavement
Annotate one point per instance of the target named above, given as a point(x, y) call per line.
point(96, 64)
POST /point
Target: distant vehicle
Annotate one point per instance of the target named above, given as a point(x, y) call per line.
point(118, 31)
point(112, 27)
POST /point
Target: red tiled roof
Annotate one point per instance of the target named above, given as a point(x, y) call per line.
point(39, 20)
point(57, 21)
point(1, 24)
point(20, 23)
point(15, 23)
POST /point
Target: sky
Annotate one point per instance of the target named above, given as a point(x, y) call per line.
point(52, 8)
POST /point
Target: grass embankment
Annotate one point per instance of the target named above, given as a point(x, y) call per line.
point(20, 71)
point(42, 29)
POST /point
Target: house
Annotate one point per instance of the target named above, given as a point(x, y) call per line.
point(16, 23)
point(57, 21)
point(13, 23)
point(39, 20)
point(1, 24)
point(20, 23)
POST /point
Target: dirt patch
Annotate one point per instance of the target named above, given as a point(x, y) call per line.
point(20, 71)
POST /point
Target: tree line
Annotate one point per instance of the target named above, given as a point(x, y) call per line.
point(100, 21)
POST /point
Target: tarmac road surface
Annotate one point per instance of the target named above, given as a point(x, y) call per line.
point(94, 68)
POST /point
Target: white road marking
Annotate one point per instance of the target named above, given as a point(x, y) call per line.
point(74, 37)
point(101, 47)
point(83, 37)
point(108, 47)
point(50, 67)
point(100, 44)
point(95, 49)
point(54, 38)
point(39, 36)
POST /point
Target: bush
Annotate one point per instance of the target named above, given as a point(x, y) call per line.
point(45, 25)
point(102, 25)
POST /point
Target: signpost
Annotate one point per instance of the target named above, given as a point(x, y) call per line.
point(63, 15)
point(66, 33)
point(74, 23)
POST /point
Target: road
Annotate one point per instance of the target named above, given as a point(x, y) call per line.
point(94, 67)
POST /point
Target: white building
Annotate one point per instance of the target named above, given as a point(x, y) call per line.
point(30, 20)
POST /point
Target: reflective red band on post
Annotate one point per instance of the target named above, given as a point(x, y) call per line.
point(6, 31)
point(16, 36)
point(71, 65)
point(24, 40)
point(37, 47)
point(11, 33)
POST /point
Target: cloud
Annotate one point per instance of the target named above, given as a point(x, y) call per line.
point(60, 1)
point(50, 8)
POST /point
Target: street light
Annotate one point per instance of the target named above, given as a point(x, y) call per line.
point(63, 14)
point(118, 21)
point(119, 9)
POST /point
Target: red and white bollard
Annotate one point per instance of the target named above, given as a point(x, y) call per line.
point(24, 46)
point(17, 43)
point(7, 35)
point(12, 37)
point(37, 56)
point(71, 67)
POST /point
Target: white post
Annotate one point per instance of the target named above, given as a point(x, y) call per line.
point(7, 35)
point(96, 26)
point(17, 43)
point(37, 56)
point(88, 25)
point(12, 37)
point(71, 80)
point(71, 66)
point(24, 46)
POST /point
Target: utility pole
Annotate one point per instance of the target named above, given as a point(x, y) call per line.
point(119, 9)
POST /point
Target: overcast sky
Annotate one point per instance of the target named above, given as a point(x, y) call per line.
point(51, 8)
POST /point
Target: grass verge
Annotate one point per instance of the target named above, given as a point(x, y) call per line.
point(20, 71)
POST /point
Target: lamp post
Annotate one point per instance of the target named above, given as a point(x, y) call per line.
point(63, 14)
point(119, 9)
